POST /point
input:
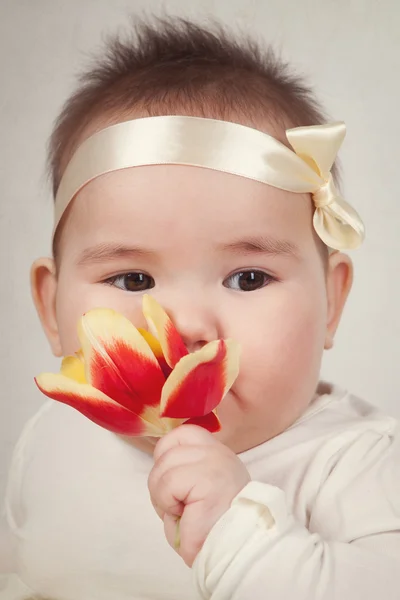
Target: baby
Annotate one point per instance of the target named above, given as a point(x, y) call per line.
point(196, 167)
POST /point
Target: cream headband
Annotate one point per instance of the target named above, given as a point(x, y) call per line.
point(230, 148)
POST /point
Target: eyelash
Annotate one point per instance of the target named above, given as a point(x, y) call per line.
point(266, 277)
point(115, 278)
point(266, 280)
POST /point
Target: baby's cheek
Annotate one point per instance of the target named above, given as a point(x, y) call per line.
point(75, 299)
point(71, 306)
point(281, 359)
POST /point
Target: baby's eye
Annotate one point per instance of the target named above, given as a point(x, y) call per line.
point(132, 282)
point(248, 281)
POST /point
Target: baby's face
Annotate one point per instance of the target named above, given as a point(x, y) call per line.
point(227, 258)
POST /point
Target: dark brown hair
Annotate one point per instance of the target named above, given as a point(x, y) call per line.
point(174, 66)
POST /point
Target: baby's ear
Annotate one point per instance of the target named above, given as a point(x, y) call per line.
point(44, 289)
point(339, 282)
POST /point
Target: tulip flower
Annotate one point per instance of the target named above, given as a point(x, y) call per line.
point(142, 382)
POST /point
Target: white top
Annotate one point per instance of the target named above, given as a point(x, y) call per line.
point(320, 519)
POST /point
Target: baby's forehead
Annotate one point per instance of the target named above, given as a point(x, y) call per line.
point(173, 206)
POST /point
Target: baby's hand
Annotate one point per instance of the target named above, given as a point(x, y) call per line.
point(194, 477)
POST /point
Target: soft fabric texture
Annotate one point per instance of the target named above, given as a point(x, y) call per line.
point(320, 519)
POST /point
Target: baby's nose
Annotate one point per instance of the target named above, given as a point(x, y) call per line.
point(197, 325)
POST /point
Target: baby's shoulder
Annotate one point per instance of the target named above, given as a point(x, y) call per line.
point(360, 484)
point(340, 428)
point(339, 412)
point(356, 439)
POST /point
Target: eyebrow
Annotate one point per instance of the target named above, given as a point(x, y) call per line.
point(261, 245)
point(108, 252)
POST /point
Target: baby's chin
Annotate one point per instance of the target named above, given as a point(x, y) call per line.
point(244, 436)
point(240, 429)
point(237, 433)
point(245, 426)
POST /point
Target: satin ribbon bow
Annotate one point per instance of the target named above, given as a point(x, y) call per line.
point(335, 221)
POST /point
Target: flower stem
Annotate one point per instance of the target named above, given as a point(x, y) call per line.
point(177, 541)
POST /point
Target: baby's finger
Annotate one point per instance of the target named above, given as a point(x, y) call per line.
point(169, 492)
point(178, 456)
point(176, 510)
point(186, 536)
point(185, 435)
point(175, 457)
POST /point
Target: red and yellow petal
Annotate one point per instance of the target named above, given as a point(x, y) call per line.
point(209, 422)
point(95, 405)
point(73, 368)
point(118, 360)
point(157, 350)
point(164, 330)
point(200, 380)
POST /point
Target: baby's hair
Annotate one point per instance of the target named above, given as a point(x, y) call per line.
point(174, 66)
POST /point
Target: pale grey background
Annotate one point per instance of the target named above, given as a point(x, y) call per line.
point(349, 48)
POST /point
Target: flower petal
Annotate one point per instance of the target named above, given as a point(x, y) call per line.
point(209, 422)
point(200, 380)
point(73, 368)
point(157, 350)
point(161, 326)
point(95, 405)
point(118, 360)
